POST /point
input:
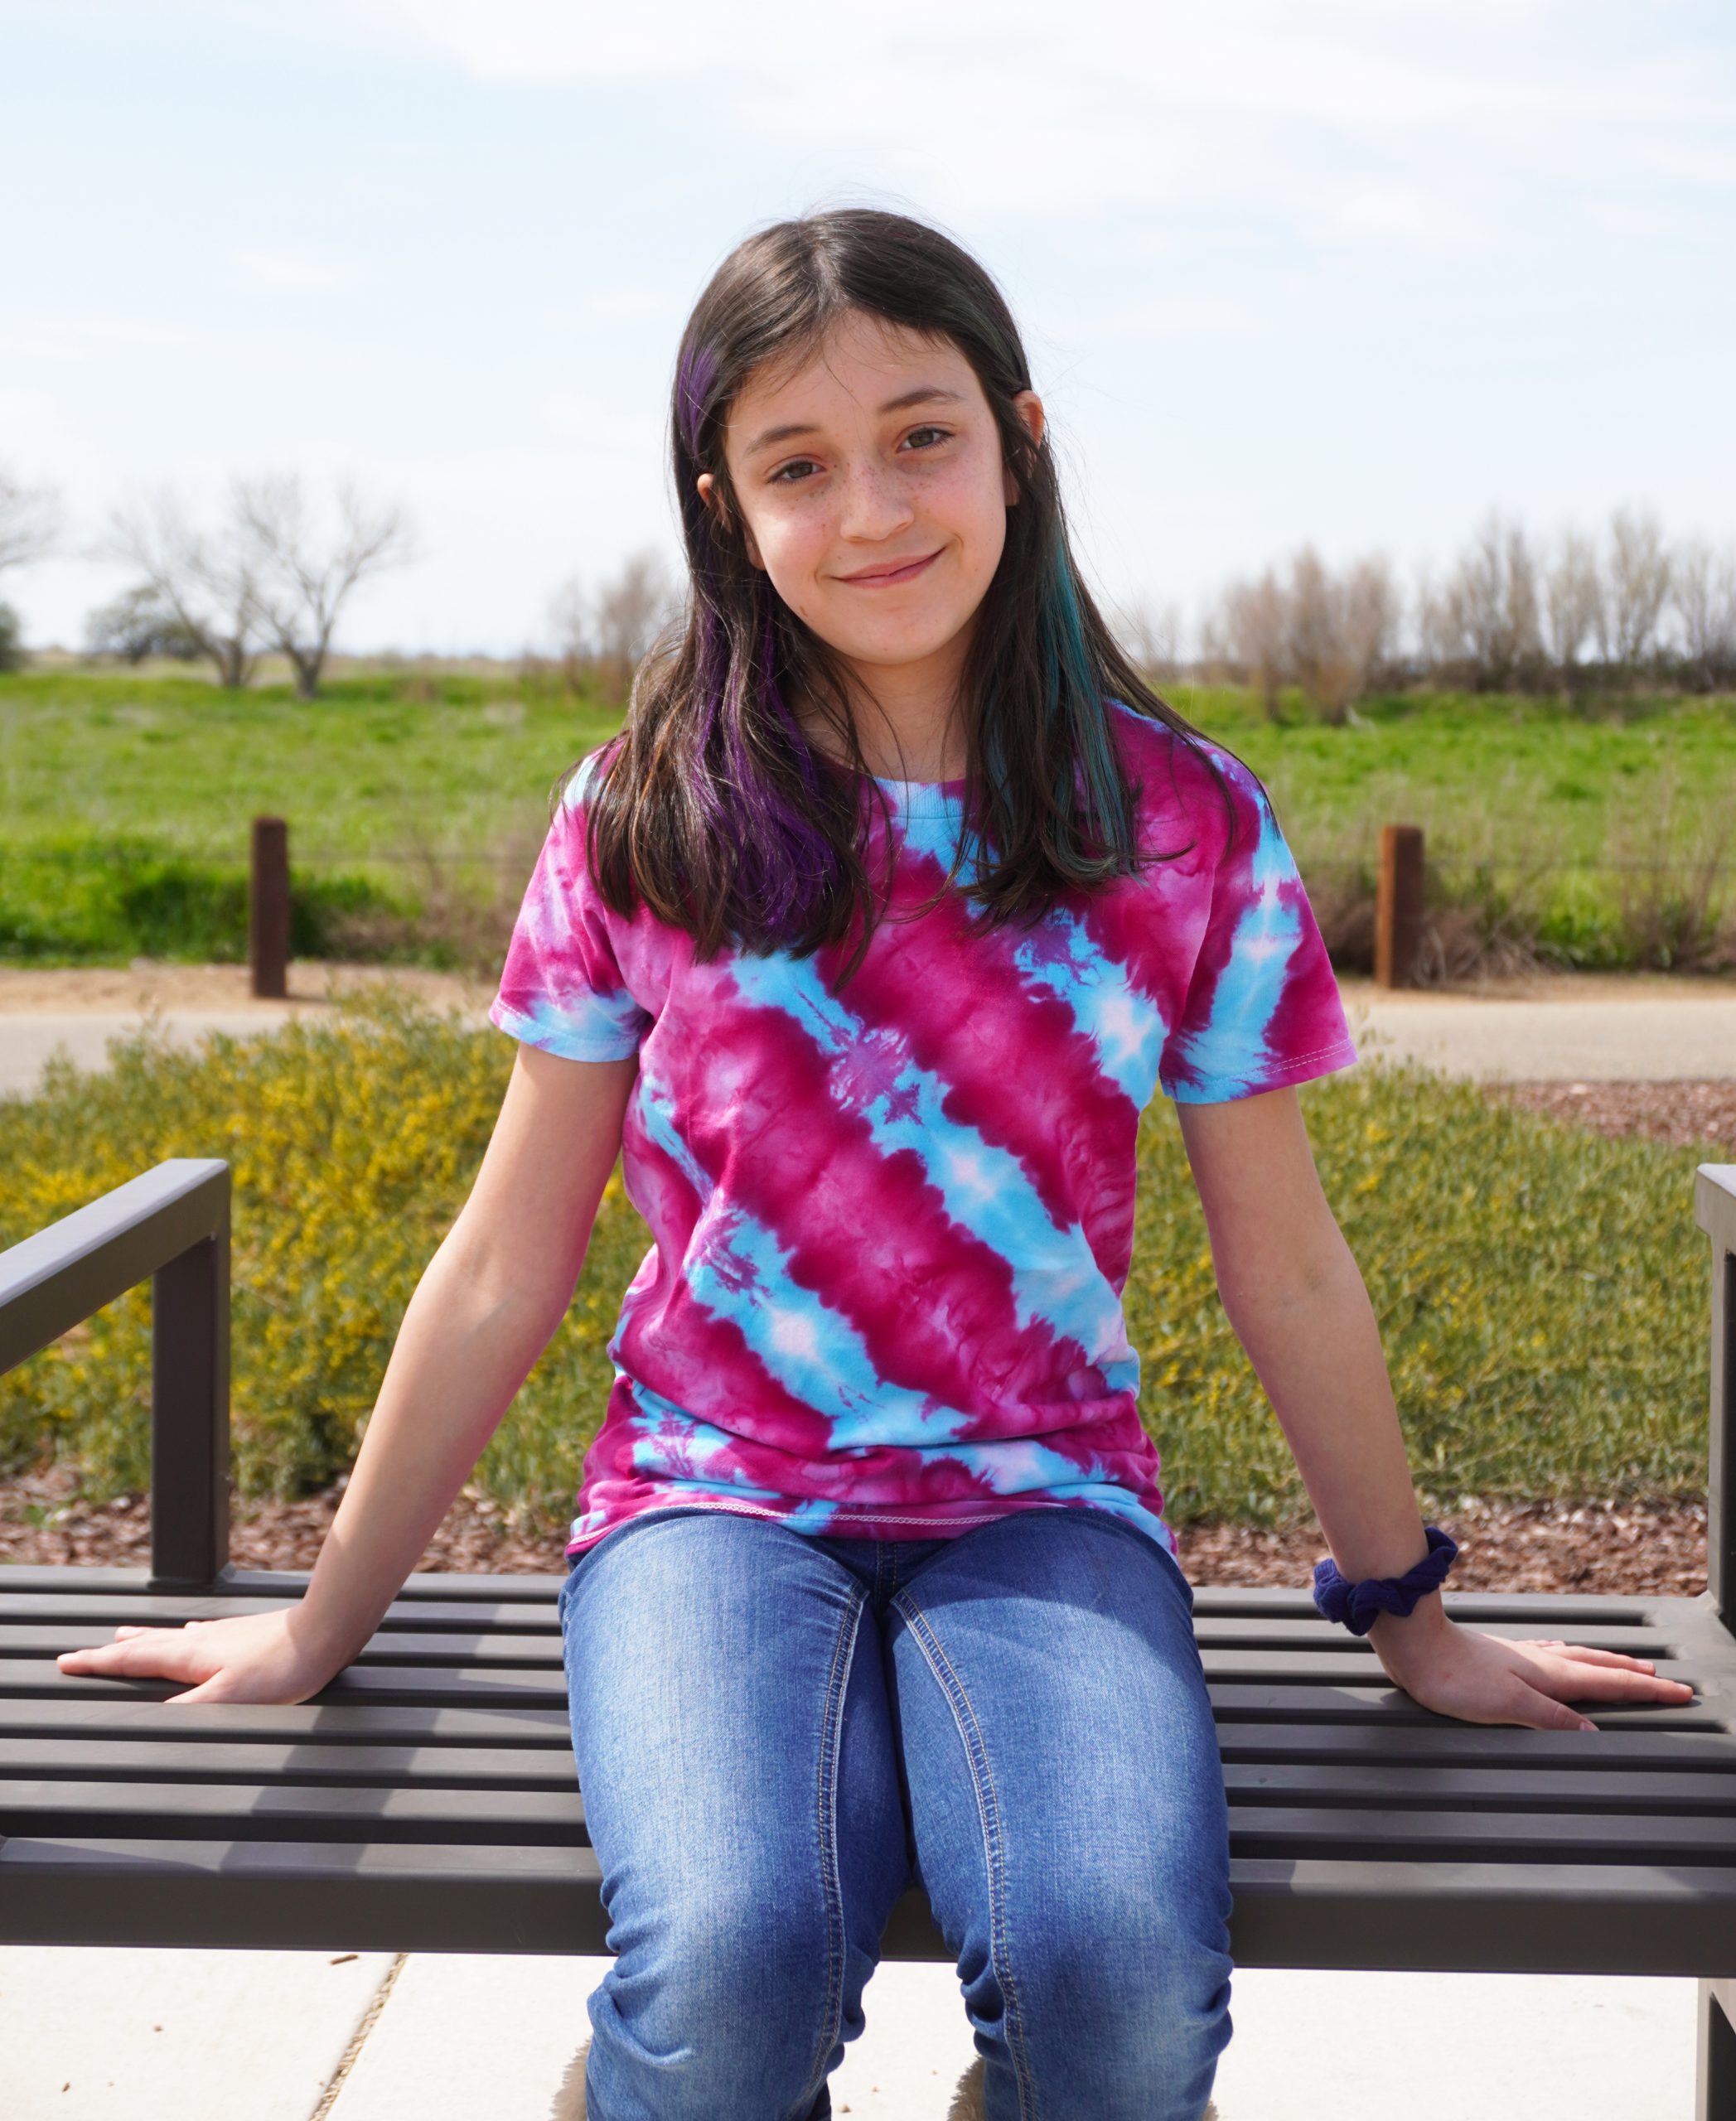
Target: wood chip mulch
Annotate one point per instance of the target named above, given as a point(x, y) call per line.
point(1688, 1115)
point(1657, 1547)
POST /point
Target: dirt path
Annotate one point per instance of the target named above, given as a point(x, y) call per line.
point(107, 990)
point(116, 990)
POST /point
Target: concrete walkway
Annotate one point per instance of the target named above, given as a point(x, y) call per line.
point(1561, 1031)
point(138, 2035)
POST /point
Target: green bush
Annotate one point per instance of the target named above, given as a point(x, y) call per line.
point(78, 900)
point(1542, 1292)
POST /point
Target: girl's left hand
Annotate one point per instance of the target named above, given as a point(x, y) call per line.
point(1485, 1678)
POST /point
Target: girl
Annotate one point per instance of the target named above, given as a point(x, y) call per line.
point(897, 898)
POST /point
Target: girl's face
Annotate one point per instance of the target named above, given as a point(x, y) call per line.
point(873, 490)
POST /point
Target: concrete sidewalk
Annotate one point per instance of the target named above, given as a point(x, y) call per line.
point(139, 2036)
point(1608, 1031)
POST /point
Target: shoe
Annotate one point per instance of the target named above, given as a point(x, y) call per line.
point(569, 2101)
point(967, 2101)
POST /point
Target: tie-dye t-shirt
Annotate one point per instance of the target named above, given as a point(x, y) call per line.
point(894, 1218)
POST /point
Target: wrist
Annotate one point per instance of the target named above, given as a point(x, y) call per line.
point(1398, 1635)
point(1360, 1606)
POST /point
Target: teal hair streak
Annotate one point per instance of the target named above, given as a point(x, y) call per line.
point(1072, 681)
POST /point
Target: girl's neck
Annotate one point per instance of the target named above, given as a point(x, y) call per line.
point(907, 719)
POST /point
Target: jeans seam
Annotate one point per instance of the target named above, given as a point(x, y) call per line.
point(844, 1655)
point(982, 1778)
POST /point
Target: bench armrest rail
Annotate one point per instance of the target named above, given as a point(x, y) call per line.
point(171, 1225)
point(1714, 1209)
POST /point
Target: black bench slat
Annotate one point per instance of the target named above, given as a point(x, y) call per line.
point(68, 1621)
point(521, 1687)
point(1384, 1704)
point(1586, 1786)
point(1578, 1918)
point(467, 1767)
point(126, 1710)
point(273, 1585)
point(279, 1810)
point(1612, 1794)
point(1440, 1743)
point(1629, 1825)
point(1482, 1836)
point(1553, 1611)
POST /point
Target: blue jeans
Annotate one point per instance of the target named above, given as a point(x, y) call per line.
point(775, 1731)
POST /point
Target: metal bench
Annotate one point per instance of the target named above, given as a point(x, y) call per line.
point(426, 1799)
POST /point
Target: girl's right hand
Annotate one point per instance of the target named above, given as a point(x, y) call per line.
point(252, 1657)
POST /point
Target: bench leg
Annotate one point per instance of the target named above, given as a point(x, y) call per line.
point(1716, 2099)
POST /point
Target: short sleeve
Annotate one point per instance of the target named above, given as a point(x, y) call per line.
point(562, 988)
point(1262, 1007)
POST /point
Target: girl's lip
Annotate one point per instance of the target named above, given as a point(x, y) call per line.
point(884, 578)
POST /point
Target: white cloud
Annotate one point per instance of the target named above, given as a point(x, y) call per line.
point(292, 269)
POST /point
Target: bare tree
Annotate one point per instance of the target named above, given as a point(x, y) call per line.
point(608, 632)
point(1703, 594)
point(302, 576)
point(1151, 635)
point(1483, 624)
point(206, 582)
point(1255, 628)
point(1573, 605)
point(30, 521)
point(1638, 586)
point(1319, 649)
point(1374, 609)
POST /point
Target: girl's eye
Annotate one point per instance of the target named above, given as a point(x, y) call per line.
point(780, 477)
point(916, 435)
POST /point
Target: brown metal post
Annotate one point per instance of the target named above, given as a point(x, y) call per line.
point(189, 1446)
point(268, 910)
point(1714, 1209)
point(1399, 905)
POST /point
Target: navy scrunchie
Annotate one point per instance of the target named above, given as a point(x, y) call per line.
point(1359, 1605)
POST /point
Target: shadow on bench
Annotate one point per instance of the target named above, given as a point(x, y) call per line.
point(426, 1799)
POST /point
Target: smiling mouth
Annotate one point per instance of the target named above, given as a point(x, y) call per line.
point(888, 577)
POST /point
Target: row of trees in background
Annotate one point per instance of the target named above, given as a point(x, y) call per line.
point(273, 571)
point(1569, 616)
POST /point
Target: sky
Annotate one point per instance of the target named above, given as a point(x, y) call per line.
point(1352, 272)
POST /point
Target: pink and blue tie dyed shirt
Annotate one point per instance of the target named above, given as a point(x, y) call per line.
point(893, 1218)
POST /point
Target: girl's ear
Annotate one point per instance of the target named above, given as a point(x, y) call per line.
point(707, 487)
point(1029, 408)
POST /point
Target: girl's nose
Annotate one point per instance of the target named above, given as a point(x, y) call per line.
point(876, 503)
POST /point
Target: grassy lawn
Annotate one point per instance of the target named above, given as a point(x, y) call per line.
point(1542, 1292)
point(1486, 776)
point(124, 803)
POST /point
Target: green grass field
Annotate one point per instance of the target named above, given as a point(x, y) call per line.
point(125, 799)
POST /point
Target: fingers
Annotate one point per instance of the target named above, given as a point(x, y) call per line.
point(1572, 1670)
point(145, 1653)
point(1581, 1655)
point(1542, 1712)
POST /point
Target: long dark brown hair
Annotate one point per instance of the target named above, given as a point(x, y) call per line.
point(712, 806)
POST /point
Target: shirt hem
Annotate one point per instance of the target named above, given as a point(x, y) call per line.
point(565, 1048)
point(852, 1523)
point(1300, 1068)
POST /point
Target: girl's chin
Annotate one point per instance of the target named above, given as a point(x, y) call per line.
point(913, 638)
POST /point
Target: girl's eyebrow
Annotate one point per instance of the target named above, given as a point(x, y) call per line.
point(925, 394)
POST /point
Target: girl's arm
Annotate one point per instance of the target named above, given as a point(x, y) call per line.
point(484, 1310)
point(1293, 1292)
